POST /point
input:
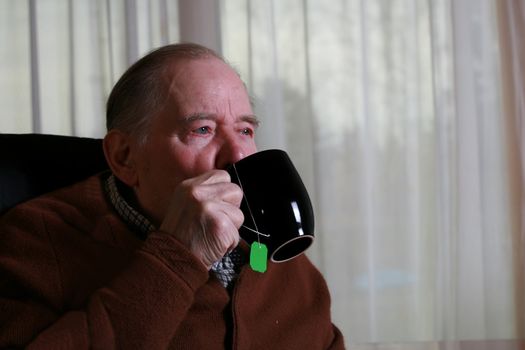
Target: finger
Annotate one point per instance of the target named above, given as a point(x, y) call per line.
point(212, 177)
point(222, 216)
point(219, 232)
point(221, 192)
point(235, 215)
point(230, 193)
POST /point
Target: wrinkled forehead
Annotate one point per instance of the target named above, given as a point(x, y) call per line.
point(205, 79)
point(185, 71)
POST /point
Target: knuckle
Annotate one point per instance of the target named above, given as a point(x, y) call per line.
point(218, 175)
point(239, 195)
point(208, 209)
point(195, 193)
point(223, 225)
point(227, 176)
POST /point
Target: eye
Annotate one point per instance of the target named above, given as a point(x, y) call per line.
point(203, 130)
point(247, 132)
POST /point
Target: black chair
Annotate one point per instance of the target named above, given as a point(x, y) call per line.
point(34, 164)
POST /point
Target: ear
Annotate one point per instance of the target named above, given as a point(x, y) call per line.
point(118, 149)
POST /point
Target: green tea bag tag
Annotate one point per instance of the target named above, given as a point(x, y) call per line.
point(258, 257)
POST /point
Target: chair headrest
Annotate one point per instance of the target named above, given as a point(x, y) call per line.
point(34, 164)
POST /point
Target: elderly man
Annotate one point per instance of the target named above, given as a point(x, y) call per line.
point(148, 255)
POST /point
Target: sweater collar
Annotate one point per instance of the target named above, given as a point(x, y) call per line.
point(115, 191)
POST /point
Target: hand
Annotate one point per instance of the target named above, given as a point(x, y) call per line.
point(204, 215)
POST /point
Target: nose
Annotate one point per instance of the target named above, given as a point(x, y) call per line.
point(231, 150)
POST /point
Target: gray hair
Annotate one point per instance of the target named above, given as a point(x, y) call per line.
point(140, 93)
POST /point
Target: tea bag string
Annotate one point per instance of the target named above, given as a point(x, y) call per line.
point(249, 209)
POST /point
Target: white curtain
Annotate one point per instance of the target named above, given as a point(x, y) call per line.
point(394, 113)
point(404, 117)
point(60, 58)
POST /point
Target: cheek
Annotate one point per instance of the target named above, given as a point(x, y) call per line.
point(197, 164)
point(172, 165)
point(186, 164)
point(157, 167)
point(252, 147)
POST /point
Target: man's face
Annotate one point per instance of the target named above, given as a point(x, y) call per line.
point(207, 123)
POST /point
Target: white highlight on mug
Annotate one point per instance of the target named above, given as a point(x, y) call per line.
point(297, 215)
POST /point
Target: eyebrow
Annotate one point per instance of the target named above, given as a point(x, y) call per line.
point(252, 119)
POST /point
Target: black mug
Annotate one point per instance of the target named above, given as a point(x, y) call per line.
point(276, 206)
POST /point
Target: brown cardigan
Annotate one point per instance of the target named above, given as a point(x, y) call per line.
point(73, 276)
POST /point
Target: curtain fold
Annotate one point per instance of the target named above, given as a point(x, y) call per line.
point(60, 58)
point(394, 114)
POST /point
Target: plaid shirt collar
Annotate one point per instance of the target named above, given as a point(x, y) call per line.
point(130, 215)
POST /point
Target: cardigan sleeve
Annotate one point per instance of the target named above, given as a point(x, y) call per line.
point(140, 307)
